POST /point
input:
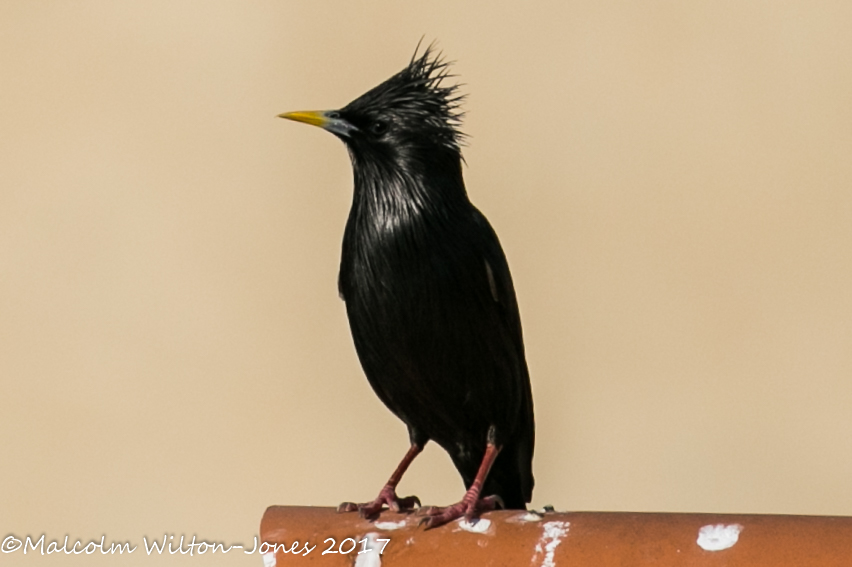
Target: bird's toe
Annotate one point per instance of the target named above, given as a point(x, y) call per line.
point(347, 507)
point(387, 497)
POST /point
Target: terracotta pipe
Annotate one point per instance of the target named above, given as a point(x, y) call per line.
point(575, 539)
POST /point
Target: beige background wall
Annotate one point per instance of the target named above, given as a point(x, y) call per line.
point(671, 181)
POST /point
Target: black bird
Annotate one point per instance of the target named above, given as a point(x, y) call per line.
point(428, 293)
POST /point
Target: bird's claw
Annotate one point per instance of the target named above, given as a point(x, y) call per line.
point(435, 516)
point(347, 507)
point(387, 497)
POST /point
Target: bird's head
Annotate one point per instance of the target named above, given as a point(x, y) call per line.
point(407, 118)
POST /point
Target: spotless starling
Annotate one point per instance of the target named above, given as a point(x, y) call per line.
point(428, 293)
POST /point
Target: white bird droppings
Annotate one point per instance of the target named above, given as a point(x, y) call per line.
point(269, 559)
point(551, 536)
point(390, 525)
point(479, 526)
point(372, 558)
point(718, 537)
point(529, 517)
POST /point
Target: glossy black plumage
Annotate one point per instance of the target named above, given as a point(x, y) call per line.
point(428, 292)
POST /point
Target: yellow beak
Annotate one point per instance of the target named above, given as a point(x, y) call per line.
point(326, 119)
point(314, 118)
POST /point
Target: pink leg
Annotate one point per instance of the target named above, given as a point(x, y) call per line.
point(471, 504)
point(388, 493)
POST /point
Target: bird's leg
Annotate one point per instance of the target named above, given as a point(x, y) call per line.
point(388, 493)
point(471, 504)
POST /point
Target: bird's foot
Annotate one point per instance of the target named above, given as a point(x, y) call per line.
point(469, 507)
point(386, 497)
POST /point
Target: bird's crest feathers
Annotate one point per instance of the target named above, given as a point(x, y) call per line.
point(418, 93)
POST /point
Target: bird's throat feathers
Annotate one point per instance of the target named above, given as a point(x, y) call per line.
point(406, 189)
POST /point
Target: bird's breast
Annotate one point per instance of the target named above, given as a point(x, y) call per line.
point(402, 262)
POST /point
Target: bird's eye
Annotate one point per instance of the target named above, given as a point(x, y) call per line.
point(379, 127)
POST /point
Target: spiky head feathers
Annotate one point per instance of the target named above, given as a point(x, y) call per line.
point(414, 103)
